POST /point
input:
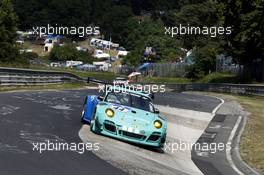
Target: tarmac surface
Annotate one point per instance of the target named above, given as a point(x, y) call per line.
point(35, 117)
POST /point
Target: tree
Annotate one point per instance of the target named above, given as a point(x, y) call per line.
point(33, 13)
point(246, 43)
point(197, 13)
point(8, 21)
point(69, 52)
point(204, 61)
point(201, 14)
point(150, 33)
point(113, 21)
point(63, 53)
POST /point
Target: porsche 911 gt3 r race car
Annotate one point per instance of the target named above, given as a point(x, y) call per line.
point(128, 116)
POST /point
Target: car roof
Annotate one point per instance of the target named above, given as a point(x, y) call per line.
point(129, 89)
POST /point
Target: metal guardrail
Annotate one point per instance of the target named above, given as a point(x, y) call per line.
point(241, 89)
point(17, 77)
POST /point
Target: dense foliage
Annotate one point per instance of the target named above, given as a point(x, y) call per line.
point(137, 24)
point(8, 21)
point(246, 43)
point(69, 52)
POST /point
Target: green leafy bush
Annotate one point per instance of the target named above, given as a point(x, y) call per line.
point(69, 52)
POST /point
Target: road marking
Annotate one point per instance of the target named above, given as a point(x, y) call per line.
point(218, 106)
point(228, 151)
point(231, 137)
point(215, 127)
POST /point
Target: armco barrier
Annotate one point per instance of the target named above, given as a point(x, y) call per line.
point(16, 77)
point(242, 89)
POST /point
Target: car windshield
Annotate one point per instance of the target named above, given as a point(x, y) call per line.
point(131, 100)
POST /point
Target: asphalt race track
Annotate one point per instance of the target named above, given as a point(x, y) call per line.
point(37, 116)
point(28, 117)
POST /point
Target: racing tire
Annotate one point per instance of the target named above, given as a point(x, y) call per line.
point(163, 140)
point(93, 127)
point(82, 116)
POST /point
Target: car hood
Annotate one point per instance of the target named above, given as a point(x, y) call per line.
point(129, 115)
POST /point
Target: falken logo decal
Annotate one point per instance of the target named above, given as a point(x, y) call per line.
point(121, 108)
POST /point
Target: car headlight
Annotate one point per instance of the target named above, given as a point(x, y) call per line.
point(109, 112)
point(157, 124)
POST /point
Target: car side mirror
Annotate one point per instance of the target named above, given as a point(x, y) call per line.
point(101, 98)
point(152, 96)
point(156, 111)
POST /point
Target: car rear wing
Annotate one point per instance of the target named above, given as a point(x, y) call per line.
point(100, 83)
point(93, 80)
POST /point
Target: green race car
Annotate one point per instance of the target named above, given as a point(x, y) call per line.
point(126, 115)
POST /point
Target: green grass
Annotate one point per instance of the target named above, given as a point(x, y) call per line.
point(166, 80)
point(211, 78)
point(252, 142)
point(108, 76)
point(219, 78)
point(14, 65)
point(83, 74)
point(98, 75)
point(63, 86)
